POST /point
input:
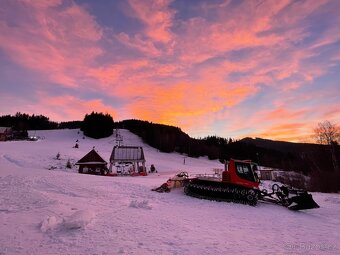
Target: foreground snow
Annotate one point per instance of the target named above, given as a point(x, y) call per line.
point(48, 209)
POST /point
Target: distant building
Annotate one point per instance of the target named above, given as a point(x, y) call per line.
point(92, 163)
point(266, 173)
point(272, 174)
point(6, 133)
point(128, 160)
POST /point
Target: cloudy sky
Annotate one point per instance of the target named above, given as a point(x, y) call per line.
point(230, 68)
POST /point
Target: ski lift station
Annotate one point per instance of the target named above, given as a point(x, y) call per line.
point(128, 160)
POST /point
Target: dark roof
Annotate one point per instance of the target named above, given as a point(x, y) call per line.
point(92, 157)
point(127, 153)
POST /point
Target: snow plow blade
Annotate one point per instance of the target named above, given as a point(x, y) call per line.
point(302, 202)
point(293, 199)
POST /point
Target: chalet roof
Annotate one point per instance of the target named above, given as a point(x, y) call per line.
point(91, 158)
point(127, 153)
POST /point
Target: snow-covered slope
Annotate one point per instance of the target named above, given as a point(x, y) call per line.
point(46, 208)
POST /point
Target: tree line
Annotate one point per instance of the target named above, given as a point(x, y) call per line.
point(95, 125)
point(22, 121)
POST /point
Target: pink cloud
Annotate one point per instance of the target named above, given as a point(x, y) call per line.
point(59, 42)
point(330, 113)
point(296, 11)
point(57, 108)
point(76, 108)
point(157, 16)
point(143, 45)
point(42, 4)
point(135, 75)
point(230, 32)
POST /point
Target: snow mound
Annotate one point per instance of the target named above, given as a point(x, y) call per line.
point(79, 219)
point(142, 204)
point(50, 223)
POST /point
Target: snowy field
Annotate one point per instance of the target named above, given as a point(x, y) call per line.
point(46, 208)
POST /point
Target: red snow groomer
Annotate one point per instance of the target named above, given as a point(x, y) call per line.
point(239, 183)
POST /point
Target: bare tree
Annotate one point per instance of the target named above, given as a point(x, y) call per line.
point(329, 134)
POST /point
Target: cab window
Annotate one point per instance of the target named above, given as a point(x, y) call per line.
point(243, 171)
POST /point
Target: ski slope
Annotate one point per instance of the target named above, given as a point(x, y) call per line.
point(46, 208)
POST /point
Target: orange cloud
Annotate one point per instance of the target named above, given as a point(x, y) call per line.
point(170, 105)
point(294, 132)
point(282, 113)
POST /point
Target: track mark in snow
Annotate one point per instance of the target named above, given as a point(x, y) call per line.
point(142, 204)
point(17, 195)
point(59, 187)
point(13, 161)
point(334, 200)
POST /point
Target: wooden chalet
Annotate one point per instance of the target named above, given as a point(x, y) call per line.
point(128, 160)
point(92, 163)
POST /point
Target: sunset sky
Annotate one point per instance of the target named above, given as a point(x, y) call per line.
point(230, 68)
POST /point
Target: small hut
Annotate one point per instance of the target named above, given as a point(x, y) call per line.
point(92, 163)
point(129, 160)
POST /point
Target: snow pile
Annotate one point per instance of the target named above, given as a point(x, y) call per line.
point(79, 219)
point(142, 204)
point(50, 223)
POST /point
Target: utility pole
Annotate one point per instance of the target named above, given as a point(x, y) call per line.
point(258, 158)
